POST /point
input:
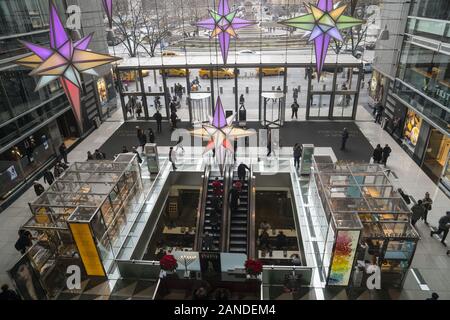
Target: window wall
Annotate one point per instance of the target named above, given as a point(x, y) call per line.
point(434, 9)
point(427, 71)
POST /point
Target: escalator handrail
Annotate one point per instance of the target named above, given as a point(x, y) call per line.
point(201, 210)
point(226, 217)
point(251, 238)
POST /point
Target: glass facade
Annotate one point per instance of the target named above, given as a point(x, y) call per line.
point(434, 9)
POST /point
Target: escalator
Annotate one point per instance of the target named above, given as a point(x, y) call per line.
point(240, 220)
point(208, 220)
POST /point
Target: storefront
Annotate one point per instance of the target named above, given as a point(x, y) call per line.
point(377, 86)
point(411, 130)
point(106, 94)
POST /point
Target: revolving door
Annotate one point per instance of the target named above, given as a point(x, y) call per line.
point(273, 109)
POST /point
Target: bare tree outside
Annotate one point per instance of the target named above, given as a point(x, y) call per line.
point(127, 20)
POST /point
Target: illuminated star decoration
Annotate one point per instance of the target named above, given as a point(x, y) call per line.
point(64, 60)
point(324, 23)
point(108, 6)
point(224, 24)
point(220, 133)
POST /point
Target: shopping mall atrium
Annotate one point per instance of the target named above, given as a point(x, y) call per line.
point(224, 149)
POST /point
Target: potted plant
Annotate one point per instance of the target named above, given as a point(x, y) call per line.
point(168, 264)
point(253, 268)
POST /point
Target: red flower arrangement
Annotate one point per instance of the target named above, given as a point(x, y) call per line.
point(168, 263)
point(253, 267)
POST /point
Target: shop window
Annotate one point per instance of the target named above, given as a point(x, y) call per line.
point(102, 93)
point(436, 154)
point(411, 131)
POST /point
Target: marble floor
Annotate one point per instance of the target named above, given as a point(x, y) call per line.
point(431, 265)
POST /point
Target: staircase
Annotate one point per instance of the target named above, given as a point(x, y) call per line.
point(239, 220)
point(208, 225)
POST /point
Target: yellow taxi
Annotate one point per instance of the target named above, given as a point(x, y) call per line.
point(169, 54)
point(276, 71)
point(174, 72)
point(131, 75)
point(220, 73)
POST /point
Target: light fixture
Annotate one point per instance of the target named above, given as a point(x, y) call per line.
point(384, 35)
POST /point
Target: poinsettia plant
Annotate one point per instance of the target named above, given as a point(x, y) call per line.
point(253, 267)
point(168, 263)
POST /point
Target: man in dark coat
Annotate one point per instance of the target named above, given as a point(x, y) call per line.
point(158, 117)
point(386, 153)
point(344, 138)
point(242, 171)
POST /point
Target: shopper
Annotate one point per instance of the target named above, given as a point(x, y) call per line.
point(139, 159)
point(49, 178)
point(217, 187)
point(208, 242)
point(233, 199)
point(386, 154)
point(269, 141)
point(10, 295)
point(264, 240)
point(172, 158)
point(238, 185)
point(444, 225)
point(404, 196)
point(38, 188)
point(295, 108)
point(99, 155)
point(63, 152)
point(418, 211)
point(138, 108)
point(173, 120)
point(377, 154)
point(24, 242)
point(379, 112)
point(281, 241)
point(58, 170)
point(241, 100)
point(90, 156)
point(158, 118)
point(242, 168)
point(295, 94)
point(427, 204)
point(151, 135)
point(344, 138)
point(297, 155)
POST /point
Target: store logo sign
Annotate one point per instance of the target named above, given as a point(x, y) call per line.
point(74, 19)
point(74, 279)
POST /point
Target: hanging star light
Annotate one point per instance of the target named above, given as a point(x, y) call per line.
point(220, 133)
point(324, 23)
point(224, 24)
point(108, 6)
point(64, 60)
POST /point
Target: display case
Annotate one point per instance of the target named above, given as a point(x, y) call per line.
point(82, 214)
point(367, 218)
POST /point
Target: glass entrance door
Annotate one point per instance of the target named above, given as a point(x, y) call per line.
point(200, 107)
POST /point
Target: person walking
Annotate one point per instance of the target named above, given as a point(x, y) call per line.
point(179, 144)
point(158, 117)
point(173, 120)
point(444, 225)
point(344, 138)
point(138, 108)
point(295, 108)
point(173, 158)
point(404, 196)
point(98, 155)
point(377, 154)
point(418, 212)
point(269, 142)
point(49, 178)
point(24, 242)
point(151, 135)
point(139, 159)
point(379, 112)
point(38, 188)
point(242, 168)
point(241, 100)
point(58, 170)
point(63, 152)
point(297, 155)
point(427, 204)
point(295, 94)
point(386, 154)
